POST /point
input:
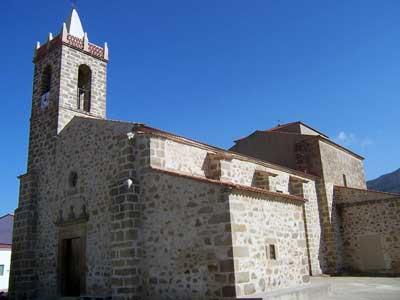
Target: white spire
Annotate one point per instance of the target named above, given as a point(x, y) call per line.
point(74, 25)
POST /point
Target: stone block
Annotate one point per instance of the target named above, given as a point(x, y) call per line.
point(240, 252)
point(242, 277)
point(219, 218)
point(249, 289)
point(229, 291)
point(226, 266)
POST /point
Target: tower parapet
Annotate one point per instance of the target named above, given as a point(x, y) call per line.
point(70, 38)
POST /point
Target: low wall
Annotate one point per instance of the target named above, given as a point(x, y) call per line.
point(370, 228)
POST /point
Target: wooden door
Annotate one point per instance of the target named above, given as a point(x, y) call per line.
point(71, 267)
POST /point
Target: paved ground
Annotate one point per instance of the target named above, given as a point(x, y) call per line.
point(363, 288)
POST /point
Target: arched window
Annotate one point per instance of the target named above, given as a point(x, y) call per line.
point(45, 84)
point(84, 87)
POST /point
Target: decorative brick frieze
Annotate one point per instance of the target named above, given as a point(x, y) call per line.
point(73, 42)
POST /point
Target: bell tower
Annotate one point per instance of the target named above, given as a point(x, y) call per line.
point(69, 80)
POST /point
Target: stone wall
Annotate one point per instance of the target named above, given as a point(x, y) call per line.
point(313, 155)
point(43, 120)
point(154, 223)
point(126, 220)
point(337, 162)
point(264, 145)
point(186, 239)
point(346, 195)
point(23, 275)
point(88, 148)
point(39, 210)
point(314, 230)
point(182, 158)
point(370, 228)
point(258, 222)
point(190, 159)
point(330, 163)
point(70, 62)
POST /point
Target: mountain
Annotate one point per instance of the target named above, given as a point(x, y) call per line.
point(386, 183)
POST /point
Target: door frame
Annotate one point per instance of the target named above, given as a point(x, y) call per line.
point(70, 231)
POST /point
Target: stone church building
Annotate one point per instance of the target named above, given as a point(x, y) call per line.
point(120, 210)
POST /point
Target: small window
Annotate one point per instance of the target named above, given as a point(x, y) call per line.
point(73, 179)
point(84, 87)
point(1, 270)
point(344, 180)
point(45, 84)
point(271, 252)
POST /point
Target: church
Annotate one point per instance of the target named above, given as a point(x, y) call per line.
point(121, 210)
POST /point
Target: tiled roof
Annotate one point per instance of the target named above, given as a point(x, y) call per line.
point(276, 128)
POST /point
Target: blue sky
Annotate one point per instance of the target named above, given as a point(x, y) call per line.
point(218, 70)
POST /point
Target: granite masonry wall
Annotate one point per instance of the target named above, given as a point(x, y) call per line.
point(43, 127)
point(55, 79)
point(87, 148)
point(160, 216)
point(330, 163)
point(186, 239)
point(300, 249)
point(68, 104)
point(126, 219)
point(370, 228)
point(43, 120)
point(336, 164)
point(23, 277)
point(261, 222)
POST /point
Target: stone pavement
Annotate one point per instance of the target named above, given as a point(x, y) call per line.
point(338, 288)
point(362, 288)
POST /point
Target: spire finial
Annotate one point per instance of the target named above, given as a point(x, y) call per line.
point(74, 25)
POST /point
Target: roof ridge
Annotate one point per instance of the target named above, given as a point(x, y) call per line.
point(282, 126)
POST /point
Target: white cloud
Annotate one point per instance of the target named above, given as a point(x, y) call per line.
point(366, 142)
point(350, 139)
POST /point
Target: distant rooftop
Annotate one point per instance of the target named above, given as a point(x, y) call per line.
point(6, 229)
